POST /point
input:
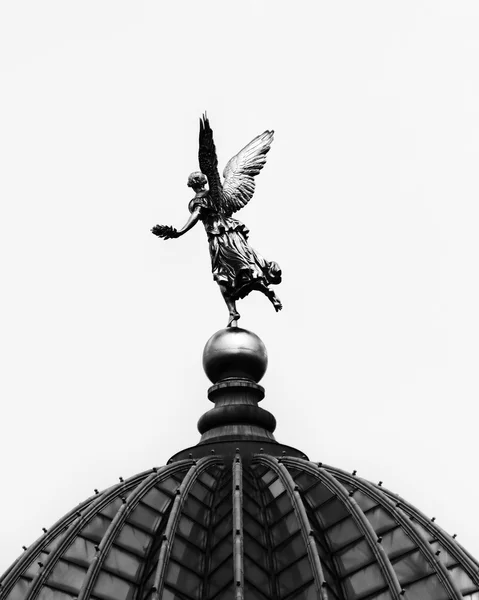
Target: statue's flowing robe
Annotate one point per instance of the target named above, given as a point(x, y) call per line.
point(235, 264)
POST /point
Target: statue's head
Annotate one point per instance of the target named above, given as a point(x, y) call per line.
point(197, 180)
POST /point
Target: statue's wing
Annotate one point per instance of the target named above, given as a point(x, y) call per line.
point(239, 173)
point(208, 159)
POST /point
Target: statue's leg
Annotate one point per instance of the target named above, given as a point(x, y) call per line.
point(231, 304)
point(276, 302)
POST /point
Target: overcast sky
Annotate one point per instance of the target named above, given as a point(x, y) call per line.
point(369, 202)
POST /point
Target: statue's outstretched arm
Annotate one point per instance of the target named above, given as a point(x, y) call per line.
point(166, 232)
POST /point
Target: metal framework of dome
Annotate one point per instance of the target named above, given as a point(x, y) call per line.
point(241, 516)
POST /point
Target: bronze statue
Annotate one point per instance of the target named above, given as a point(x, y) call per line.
point(237, 267)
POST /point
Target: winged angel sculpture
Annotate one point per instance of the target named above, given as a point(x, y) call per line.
point(237, 268)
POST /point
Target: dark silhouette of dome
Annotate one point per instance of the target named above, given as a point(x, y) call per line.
point(242, 516)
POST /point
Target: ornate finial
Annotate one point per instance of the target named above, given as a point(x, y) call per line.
point(237, 268)
point(235, 360)
point(235, 352)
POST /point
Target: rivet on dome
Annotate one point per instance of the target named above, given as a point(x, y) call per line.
point(320, 464)
point(96, 491)
point(24, 548)
point(121, 479)
point(354, 473)
point(433, 519)
point(380, 484)
point(44, 530)
point(154, 469)
point(438, 552)
point(454, 536)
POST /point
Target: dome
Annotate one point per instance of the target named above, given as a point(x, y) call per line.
point(242, 516)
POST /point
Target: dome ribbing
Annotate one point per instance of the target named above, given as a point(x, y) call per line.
point(242, 516)
point(273, 527)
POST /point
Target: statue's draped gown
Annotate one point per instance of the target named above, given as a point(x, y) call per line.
point(235, 264)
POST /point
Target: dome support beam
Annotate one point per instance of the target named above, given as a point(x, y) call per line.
point(175, 514)
point(453, 548)
point(305, 526)
point(360, 519)
point(238, 528)
point(98, 503)
point(21, 564)
point(417, 536)
point(119, 520)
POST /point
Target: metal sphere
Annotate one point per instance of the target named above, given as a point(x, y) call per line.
point(235, 352)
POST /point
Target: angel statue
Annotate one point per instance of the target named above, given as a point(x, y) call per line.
point(237, 267)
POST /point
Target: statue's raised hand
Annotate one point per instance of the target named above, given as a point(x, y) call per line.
point(164, 231)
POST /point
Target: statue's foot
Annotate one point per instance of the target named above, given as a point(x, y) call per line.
point(274, 273)
point(273, 298)
point(234, 316)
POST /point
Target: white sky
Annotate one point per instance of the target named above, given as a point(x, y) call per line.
point(369, 202)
